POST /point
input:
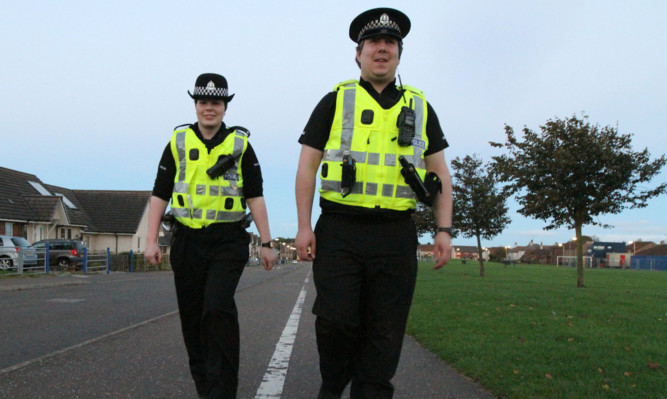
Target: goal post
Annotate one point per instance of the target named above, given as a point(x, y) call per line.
point(571, 261)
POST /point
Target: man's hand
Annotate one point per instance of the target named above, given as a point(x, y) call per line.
point(305, 240)
point(442, 249)
point(153, 254)
point(269, 256)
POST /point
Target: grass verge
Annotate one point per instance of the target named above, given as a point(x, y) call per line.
point(527, 331)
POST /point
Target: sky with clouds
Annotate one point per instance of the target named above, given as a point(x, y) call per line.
point(92, 90)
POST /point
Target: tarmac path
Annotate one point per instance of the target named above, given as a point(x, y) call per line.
point(118, 336)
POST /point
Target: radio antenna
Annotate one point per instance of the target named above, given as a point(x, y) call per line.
point(403, 90)
point(400, 82)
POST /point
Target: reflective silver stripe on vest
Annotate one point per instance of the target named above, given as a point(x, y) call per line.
point(389, 159)
point(346, 135)
point(333, 185)
point(230, 216)
point(180, 149)
point(417, 159)
point(337, 155)
point(238, 147)
point(348, 119)
point(387, 190)
point(419, 116)
point(373, 158)
point(231, 191)
point(214, 191)
point(181, 212)
point(200, 189)
point(405, 192)
point(371, 189)
point(211, 214)
point(181, 188)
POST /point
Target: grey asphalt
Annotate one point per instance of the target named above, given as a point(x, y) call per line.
point(142, 354)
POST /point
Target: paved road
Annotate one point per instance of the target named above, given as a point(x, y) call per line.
point(118, 336)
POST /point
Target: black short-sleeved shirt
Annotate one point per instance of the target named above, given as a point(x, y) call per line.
point(316, 135)
point(250, 170)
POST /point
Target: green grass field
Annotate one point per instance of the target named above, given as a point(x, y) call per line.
point(527, 331)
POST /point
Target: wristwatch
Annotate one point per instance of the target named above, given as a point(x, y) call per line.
point(447, 230)
point(267, 244)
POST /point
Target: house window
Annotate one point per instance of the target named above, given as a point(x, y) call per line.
point(69, 234)
point(62, 233)
point(138, 243)
point(9, 229)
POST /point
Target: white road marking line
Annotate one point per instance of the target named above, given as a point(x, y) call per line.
point(65, 300)
point(82, 344)
point(274, 378)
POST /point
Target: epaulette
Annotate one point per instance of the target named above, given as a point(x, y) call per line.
point(241, 129)
point(179, 126)
point(412, 89)
point(345, 83)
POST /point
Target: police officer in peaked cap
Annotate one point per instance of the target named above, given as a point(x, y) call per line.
point(210, 174)
point(379, 149)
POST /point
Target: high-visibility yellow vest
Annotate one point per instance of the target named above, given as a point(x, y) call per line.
point(369, 133)
point(197, 200)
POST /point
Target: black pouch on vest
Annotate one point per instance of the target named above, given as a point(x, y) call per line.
point(349, 174)
point(221, 166)
point(425, 191)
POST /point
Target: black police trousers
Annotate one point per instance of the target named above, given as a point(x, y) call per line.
point(207, 265)
point(365, 273)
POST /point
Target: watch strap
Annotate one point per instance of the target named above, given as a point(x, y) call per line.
point(447, 230)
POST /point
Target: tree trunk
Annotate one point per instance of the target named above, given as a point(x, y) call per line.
point(481, 257)
point(580, 256)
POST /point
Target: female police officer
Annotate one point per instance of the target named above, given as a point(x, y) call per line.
point(210, 173)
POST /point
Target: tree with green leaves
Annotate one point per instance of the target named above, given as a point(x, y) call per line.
point(480, 208)
point(571, 172)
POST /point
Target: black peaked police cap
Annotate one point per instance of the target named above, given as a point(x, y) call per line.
point(379, 21)
point(211, 86)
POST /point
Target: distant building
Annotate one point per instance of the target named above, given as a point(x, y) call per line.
point(601, 253)
point(102, 219)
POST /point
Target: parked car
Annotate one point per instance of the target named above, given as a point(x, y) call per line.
point(63, 254)
point(9, 252)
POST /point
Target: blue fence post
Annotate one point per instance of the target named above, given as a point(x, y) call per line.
point(85, 258)
point(131, 261)
point(47, 266)
point(108, 259)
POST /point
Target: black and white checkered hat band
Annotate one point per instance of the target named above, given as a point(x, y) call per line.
point(379, 23)
point(210, 92)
